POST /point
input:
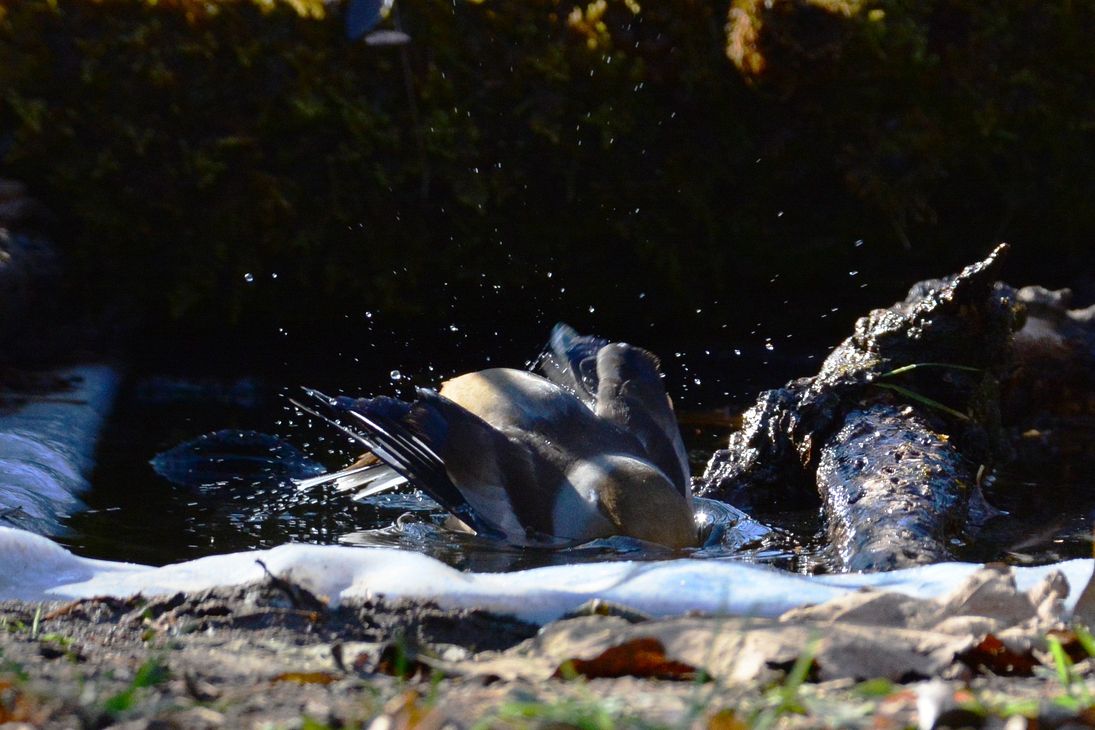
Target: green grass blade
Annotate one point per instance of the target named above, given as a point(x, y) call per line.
point(1061, 661)
point(801, 667)
point(918, 365)
point(922, 399)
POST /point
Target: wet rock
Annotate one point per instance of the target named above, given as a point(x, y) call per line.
point(1053, 364)
point(891, 456)
point(767, 461)
point(924, 370)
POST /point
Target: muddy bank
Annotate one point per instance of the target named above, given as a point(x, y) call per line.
point(238, 657)
point(272, 655)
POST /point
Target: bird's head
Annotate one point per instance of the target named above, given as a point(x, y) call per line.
point(641, 502)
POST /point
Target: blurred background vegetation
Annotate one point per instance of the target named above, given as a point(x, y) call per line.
point(674, 173)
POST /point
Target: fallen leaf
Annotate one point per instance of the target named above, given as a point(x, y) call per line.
point(643, 656)
point(306, 677)
point(993, 655)
point(18, 707)
point(726, 720)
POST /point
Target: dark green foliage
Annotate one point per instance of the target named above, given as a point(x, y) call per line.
point(613, 146)
point(957, 120)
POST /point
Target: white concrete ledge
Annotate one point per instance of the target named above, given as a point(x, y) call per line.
point(37, 569)
point(47, 449)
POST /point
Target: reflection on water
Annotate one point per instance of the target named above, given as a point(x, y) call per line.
point(229, 456)
point(731, 534)
point(1045, 519)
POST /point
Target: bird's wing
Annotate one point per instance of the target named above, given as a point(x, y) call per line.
point(497, 471)
point(631, 394)
point(623, 385)
point(465, 464)
point(571, 362)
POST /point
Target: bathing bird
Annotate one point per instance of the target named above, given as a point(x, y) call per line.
point(589, 449)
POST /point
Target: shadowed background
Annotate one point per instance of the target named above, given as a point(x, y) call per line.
point(232, 179)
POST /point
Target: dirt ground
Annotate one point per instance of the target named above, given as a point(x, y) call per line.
point(273, 656)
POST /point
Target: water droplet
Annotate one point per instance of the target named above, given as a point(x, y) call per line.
point(368, 315)
point(274, 275)
point(592, 309)
point(697, 381)
point(737, 352)
point(249, 277)
point(549, 274)
point(396, 375)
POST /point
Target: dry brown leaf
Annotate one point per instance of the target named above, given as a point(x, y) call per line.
point(1086, 717)
point(726, 720)
point(642, 656)
point(993, 655)
point(306, 677)
point(19, 707)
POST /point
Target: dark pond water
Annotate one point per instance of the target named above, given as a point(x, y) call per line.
point(179, 389)
point(137, 515)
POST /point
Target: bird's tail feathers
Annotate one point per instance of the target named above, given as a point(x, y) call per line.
point(368, 479)
point(406, 437)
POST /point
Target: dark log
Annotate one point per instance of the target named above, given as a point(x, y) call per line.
point(894, 490)
point(949, 341)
